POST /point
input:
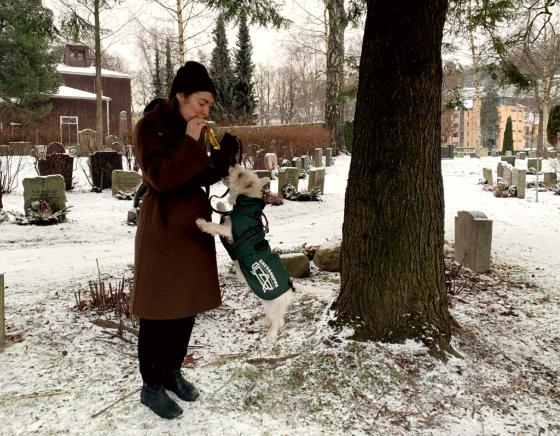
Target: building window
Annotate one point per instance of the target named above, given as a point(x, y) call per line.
point(69, 130)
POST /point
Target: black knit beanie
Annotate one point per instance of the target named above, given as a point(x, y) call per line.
point(192, 77)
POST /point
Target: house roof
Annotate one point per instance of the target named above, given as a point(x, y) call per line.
point(77, 94)
point(90, 71)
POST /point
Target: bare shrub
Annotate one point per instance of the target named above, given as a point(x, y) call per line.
point(10, 166)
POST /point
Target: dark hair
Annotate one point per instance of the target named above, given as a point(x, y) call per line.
point(190, 78)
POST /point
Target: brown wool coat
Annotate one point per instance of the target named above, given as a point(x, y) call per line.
point(175, 272)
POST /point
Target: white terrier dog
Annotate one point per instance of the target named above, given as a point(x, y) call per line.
point(244, 233)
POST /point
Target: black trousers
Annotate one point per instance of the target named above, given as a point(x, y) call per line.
point(162, 347)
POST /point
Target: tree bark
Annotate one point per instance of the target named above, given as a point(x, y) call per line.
point(98, 80)
point(334, 115)
point(180, 33)
point(393, 280)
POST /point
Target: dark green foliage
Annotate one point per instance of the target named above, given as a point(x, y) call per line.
point(261, 12)
point(243, 88)
point(222, 74)
point(289, 192)
point(169, 72)
point(348, 135)
point(157, 85)
point(489, 118)
point(27, 62)
point(508, 137)
point(553, 126)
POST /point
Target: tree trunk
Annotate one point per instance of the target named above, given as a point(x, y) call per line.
point(180, 33)
point(393, 281)
point(98, 80)
point(334, 116)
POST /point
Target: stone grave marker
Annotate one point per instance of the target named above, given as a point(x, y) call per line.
point(109, 139)
point(87, 141)
point(507, 174)
point(259, 160)
point(487, 176)
point(124, 181)
point(316, 179)
point(123, 128)
point(328, 157)
point(550, 179)
point(58, 163)
point(509, 159)
point(521, 155)
point(495, 153)
point(553, 154)
point(535, 163)
point(264, 173)
point(270, 161)
point(318, 157)
point(500, 170)
point(101, 167)
point(533, 153)
point(473, 240)
point(305, 162)
point(482, 152)
point(55, 147)
point(2, 318)
point(296, 162)
point(118, 147)
point(508, 153)
point(519, 180)
point(47, 188)
point(285, 163)
point(288, 176)
point(20, 148)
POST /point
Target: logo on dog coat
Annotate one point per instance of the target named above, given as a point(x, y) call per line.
point(264, 275)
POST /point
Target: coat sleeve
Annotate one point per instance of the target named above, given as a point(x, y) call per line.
point(164, 167)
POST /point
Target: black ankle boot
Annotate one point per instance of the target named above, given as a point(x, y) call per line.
point(180, 387)
point(155, 397)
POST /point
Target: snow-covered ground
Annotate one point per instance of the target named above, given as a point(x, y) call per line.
point(59, 369)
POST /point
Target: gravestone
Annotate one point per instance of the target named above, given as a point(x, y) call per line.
point(553, 154)
point(533, 153)
point(534, 165)
point(297, 264)
point(55, 147)
point(270, 161)
point(264, 173)
point(124, 181)
point(296, 162)
point(447, 151)
point(20, 148)
point(495, 153)
point(40, 152)
point(57, 163)
point(500, 170)
point(109, 139)
point(47, 188)
point(519, 180)
point(305, 161)
point(123, 128)
point(118, 147)
point(509, 159)
point(318, 157)
point(508, 153)
point(506, 178)
point(87, 141)
point(482, 152)
point(285, 163)
point(487, 176)
point(316, 179)
point(473, 240)
point(521, 155)
point(288, 176)
point(544, 153)
point(259, 160)
point(2, 317)
point(550, 179)
point(328, 157)
point(101, 167)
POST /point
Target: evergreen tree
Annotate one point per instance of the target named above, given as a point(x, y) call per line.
point(222, 74)
point(243, 88)
point(508, 137)
point(489, 117)
point(169, 73)
point(156, 77)
point(553, 125)
point(27, 62)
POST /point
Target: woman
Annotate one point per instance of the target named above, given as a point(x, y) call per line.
point(175, 273)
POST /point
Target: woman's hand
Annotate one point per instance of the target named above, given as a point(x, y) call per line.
point(194, 127)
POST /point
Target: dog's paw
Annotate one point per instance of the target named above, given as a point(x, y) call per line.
point(221, 206)
point(201, 224)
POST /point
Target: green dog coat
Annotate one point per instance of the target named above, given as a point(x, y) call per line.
point(260, 266)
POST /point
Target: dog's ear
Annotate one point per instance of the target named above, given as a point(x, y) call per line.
point(264, 181)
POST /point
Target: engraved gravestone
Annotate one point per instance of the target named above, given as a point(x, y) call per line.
point(288, 176)
point(500, 170)
point(259, 160)
point(87, 141)
point(270, 161)
point(473, 240)
point(328, 157)
point(123, 128)
point(46, 188)
point(305, 160)
point(550, 179)
point(509, 159)
point(296, 162)
point(487, 176)
point(55, 147)
point(57, 163)
point(109, 139)
point(124, 181)
point(318, 157)
point(101, 166)
point(316, 179)
point(506, 178)
point(534, 164)
point(519, 180)
point(521, 155)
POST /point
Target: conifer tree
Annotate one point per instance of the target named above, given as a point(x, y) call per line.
point(169, 74)
point(156, 77)
point(508, 137)
point(243, 88)
point(553, 125)
point(222, 74)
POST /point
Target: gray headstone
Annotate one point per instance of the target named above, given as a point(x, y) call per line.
point(259, 160)
point(500, 170)
point(534, 164)
point(495, 153)
point(57, 163)
point(109, 139)
point(550, 179)
point(305, 161)
point(318, 157)
point(482, 152)
point(487, 176)
point(316, 179)
point(521, 155)
point(533, 153)
point(262, 174)
point(270, 161)
point(296, 162)
point(55, 147)
point(509, 159)
point(508, 153)
point(288, 176)
point(47, 188)
point(123, 128)
point(507, 174)
point(519, 180)
point(124, 181)
point(87, 140)
point(328, 157)
point(553, 154)
point(473, 240)
point(101, 166)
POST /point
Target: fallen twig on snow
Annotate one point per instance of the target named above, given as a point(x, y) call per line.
point(272, 361)
point(115, 402)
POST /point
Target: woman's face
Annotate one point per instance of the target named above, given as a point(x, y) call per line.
point(195, 105)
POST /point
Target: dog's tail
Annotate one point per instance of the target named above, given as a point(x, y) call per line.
point(312, 290)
